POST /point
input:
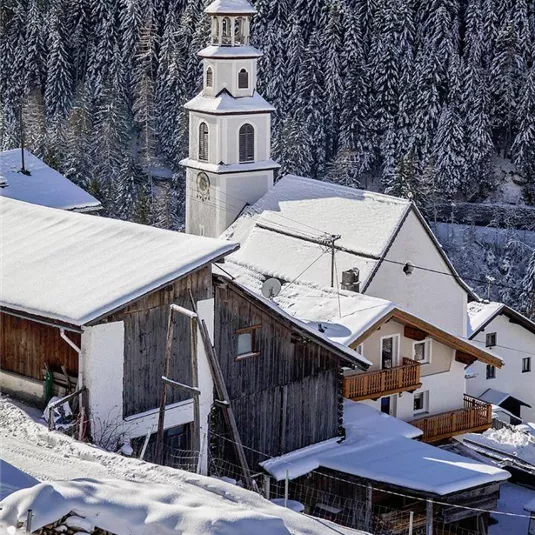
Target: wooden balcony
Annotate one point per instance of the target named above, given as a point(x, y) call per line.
point(476, 416)
point(376, 384)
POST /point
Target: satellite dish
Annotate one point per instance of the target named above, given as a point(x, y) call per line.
point(271, 288)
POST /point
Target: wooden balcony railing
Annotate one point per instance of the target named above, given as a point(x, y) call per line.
point(376, 384)
point(476, 416)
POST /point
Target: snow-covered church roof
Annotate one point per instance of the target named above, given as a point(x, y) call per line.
point(75, 268)
point(44, 185)
point(230, 7)
point(280, 233)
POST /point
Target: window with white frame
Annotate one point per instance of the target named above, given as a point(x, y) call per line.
point(247, 342)
point(246, 143)
point(490, 339)
point(209, 77)
point(421, 402)
point(243, 79)
point(491, 371)
point(203, 142)
point(360, 349)
point(526, 364)
point(421, 351)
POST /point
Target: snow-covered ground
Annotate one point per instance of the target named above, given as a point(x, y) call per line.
point(512, 499)
point(520, 445)
point(198, 504)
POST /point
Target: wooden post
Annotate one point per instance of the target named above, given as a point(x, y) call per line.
point(368, 506)
point(163, 398)
point(196, 439)
point(411, 522)
point(332, 239)
point(228, 413)
point(267, 486)
point(429, 518)
point(29, 516)
point(286, 489)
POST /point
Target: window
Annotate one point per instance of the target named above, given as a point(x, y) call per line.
point(243, 79)
point(203, 142)
point(421, 351)
point(490, 339)
point(239, 27)
point(421, 402)
point(491, 371)
point(389, 352)
point(360, 349)
point(247, 143)
point(226, 32)
point(526, 364)
point(246, 342)
point(209, 77)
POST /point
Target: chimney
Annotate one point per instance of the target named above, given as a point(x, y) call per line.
point(351, 280)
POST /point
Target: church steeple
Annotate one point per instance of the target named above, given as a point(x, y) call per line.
point(229, 164)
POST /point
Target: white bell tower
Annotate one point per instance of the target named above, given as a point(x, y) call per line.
point(229, 164)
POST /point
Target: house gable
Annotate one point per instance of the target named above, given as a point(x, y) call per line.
point(434, 292)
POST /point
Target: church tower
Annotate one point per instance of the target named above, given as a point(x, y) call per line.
point(229, 164)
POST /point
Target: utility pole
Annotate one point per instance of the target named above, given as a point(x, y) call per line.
point(21, 128)
point(333, 238)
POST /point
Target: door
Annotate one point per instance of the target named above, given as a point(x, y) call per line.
point(388, 405)
point(389, 349)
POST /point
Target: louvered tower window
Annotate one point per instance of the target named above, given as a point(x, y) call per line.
point(243, 79)
point(226, 32)
point(209, 77)
point(203, 142)
point(247, 143)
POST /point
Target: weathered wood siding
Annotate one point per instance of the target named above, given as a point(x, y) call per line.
point(285, 398)
point(25, 346)
point(145, 324)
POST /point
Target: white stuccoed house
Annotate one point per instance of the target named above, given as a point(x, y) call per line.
point(511, 336)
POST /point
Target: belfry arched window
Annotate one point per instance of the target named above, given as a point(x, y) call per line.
point(247, 143)
point(209, 77)
point(239, 31)
point(243, 79)
point(203, 142)
point(226, 32)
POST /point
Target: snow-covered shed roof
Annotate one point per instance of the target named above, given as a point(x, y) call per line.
point(75, 268)
point(12, 479)
point(44, 185)
point(345, 318)
point(383, 453)
point(497, 397)
point(287, 230)
point(224, 103)
point(481, 313)
point(230, 7)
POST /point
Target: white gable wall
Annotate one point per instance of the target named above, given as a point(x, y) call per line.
point(435, 297)
point(510, 378)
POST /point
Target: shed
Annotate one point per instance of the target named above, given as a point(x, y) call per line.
point(504, 400)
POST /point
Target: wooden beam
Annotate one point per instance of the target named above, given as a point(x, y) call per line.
point(414, 334)
point(464, 358)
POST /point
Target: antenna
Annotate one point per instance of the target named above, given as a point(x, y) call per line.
point(271, 288)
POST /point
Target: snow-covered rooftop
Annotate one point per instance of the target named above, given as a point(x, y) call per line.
point(44, 185)
point(380, 450)
point(225, 103)
point(12, 479)
point(75, 267)
point(234, 52)
point(480, 313)
point(362, 418)
point(280, 232)
point(222, 168)
point(230, 7)
point(497, 397)
point(342, 317)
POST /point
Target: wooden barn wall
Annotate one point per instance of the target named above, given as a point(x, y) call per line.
point(285, 398)
point(145, 324)
point(25, 346)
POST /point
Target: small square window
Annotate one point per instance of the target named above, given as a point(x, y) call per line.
point(421, 351)
point(526, 364)
point(490, 340)
point(491, 371)
point(421, 402)
point(246, 342)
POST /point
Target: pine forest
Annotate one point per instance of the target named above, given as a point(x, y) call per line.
point(432, 100)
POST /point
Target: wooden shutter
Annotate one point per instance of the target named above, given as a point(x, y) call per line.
point(247, 143)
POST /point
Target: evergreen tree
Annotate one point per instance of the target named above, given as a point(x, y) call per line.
point(527, 297)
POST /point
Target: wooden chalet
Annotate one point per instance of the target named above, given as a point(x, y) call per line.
point(85, 305)
point(283, 377)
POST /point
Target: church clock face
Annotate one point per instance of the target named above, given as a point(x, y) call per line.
point(203, 187)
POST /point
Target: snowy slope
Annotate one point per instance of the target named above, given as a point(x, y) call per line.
point(198, 504)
